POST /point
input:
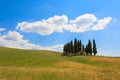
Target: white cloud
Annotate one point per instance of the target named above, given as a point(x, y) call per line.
point(13, 36)
point(58, 47)
point(44, 27)
point(14, 39)
point(58, 23)
point(2, 29)
point(101, 24)
point(82, 23)
point(105, 53)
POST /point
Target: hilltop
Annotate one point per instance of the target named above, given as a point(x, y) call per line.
point(17, 64)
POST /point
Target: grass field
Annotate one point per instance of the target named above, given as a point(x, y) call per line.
point(47, 65)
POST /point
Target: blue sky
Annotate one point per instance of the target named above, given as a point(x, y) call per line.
point(48, 24)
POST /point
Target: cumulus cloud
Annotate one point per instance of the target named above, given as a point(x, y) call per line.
point(14, 39)
point(59, 23)
point(2, 29)
point(58, 47)
point(101, 24)
point(44, 27)
point(82, 23)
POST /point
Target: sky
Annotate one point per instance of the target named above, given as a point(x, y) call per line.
point(49, 24)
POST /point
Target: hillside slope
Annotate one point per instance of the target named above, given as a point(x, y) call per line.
point(16, 64)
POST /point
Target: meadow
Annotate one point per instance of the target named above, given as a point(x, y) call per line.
point(16, 64)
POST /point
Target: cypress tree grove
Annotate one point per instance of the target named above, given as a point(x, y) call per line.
point(71, 49)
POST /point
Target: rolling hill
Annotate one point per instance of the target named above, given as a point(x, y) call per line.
point(16, 64)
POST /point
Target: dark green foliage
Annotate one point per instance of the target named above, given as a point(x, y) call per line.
point(83, 47)
point(75, 46)
point(78, 48)
point(86, 49)
point(68, 48)
point(90, 47)
point(82, 52)
point(94, 47)
point(71, 47)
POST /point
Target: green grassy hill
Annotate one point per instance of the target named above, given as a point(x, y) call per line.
point(16, 64)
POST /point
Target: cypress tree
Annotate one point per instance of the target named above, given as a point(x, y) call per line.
point(68, 48)
point(71, 47)
point(86, 49)
point(83, 47)
point(90, 47)
point(82, 52)
point(64, 50)
point(75, 46)
point(79, 45)
point(94, 47)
